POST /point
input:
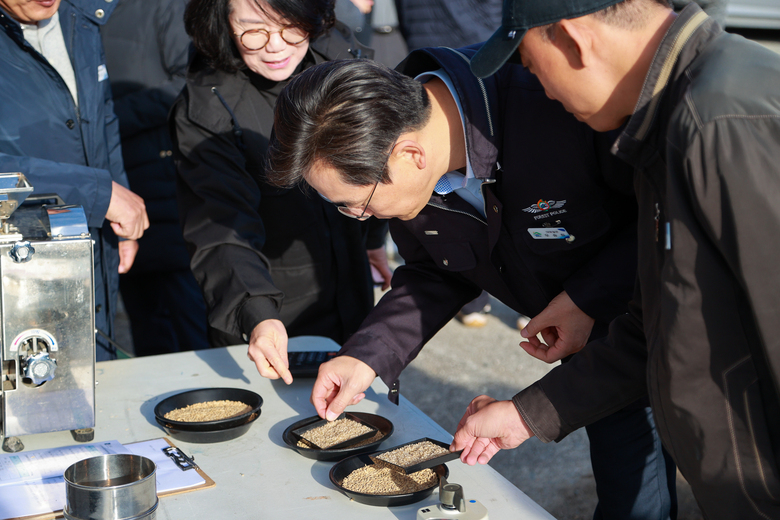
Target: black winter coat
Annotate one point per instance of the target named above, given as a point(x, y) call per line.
point(447, 23)
point(703, 335)
point(260, 252)
point(554, 171)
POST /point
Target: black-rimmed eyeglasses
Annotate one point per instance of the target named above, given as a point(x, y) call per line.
point(350, 212)
point(257, 39)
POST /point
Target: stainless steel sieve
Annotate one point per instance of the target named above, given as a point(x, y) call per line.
point(111, 487)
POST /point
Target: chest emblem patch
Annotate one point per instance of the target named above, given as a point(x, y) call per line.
point(546, 208)
point(544, 205)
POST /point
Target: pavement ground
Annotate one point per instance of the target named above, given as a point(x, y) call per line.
point(460, 363)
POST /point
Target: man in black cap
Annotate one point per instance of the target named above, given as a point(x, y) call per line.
point(700, 111)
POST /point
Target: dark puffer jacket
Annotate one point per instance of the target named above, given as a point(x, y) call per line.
point(447, 23)
point(147, 51)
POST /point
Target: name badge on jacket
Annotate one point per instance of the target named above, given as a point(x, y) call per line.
point(545, 233)
point(102, 73)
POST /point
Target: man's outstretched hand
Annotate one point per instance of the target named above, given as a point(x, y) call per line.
point(487, 427)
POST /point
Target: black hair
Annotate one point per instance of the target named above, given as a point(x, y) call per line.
point(628, 14)
point(207, 23)
point(347, 114)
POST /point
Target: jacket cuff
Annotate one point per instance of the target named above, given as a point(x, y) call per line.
point(97, 213)
point(253, 311)
point(374, 352)
point(539, 414)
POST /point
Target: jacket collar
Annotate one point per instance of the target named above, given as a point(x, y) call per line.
point(96, 11)
point(206, 108)
point(11, 27)
point(670, 60)
point(478, 98)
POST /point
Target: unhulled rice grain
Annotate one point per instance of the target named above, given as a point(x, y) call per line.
point(208, 411)
point(378, 435)
point(373, 480)
point(335, 432)
point(413, 454)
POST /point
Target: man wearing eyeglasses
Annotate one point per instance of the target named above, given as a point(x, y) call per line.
point(489, 185)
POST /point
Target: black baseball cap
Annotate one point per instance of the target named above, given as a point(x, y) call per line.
point(520, 15)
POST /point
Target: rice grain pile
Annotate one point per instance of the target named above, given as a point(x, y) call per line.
point(413, 454)
point(208, 411)
point(335, 432)
point(372, 480)
point(378, 435)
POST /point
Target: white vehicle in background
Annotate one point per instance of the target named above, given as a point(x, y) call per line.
point(753, 14)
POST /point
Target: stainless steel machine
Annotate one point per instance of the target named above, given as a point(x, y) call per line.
point(47, 315)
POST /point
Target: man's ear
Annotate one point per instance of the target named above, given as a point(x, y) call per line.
point(575, 39)
point(411, 151)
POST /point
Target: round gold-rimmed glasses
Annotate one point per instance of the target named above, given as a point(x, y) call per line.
point(257, 39)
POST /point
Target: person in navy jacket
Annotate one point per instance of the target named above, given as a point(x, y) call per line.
point(57, 126)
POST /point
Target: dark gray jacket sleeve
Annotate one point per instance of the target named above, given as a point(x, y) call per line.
point(218, 201)
point(397, 328)
point(604, 377)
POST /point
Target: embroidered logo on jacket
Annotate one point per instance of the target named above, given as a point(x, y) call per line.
point(545, 208)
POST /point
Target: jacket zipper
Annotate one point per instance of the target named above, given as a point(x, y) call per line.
point(484, 93)
point(76, 79)
point(445, 208)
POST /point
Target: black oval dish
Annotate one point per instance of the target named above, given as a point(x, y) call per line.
point(342, 469)
point(382, 425)
point(199, 437)
point(211, 431)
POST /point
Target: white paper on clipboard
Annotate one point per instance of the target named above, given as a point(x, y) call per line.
point(31, 483)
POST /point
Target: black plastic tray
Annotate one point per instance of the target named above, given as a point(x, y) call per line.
point(441, 459)
point(340, 470)
point(253, 400)
point(384, 426)
point(207, 437)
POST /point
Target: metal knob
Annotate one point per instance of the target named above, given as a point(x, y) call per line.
point(22, 252)
point(39, 368)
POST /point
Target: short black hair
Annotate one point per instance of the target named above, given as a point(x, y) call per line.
point(347, 114)
point(207, 23)
point(628, 14)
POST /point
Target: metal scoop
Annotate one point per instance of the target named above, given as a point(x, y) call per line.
point(417, 465)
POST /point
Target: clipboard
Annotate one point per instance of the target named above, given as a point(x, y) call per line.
point(208, 482)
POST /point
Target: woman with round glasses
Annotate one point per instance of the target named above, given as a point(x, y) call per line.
point(270, 262)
